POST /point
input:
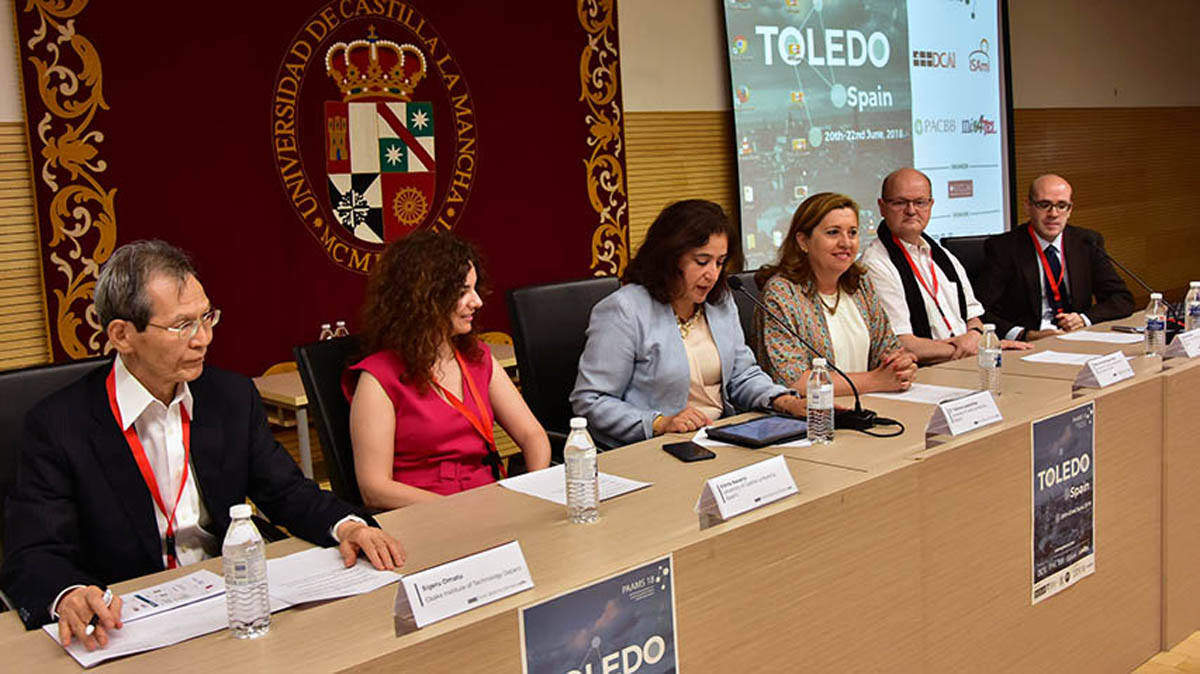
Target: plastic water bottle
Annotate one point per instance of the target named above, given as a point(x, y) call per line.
point(1156, 325)
point(583, 484)
point(1191, 307)
point(326, 332)
point(247, 600)
point(989, 360)
point(340, 330)
point(819, 401)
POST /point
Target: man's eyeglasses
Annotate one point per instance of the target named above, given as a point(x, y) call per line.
point(188, 329)
point(920, 204)
point(1061, 206)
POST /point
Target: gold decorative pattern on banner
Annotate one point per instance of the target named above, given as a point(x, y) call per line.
point(599, 75)
point(80, 216)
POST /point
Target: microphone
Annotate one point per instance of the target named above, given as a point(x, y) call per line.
point(1171, 308)
point(857, 419)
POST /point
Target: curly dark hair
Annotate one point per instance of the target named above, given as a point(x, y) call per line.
point(793, 262)
point(680, 227)
point(411, 293)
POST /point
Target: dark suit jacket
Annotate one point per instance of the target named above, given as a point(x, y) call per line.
point(1010, 283)
point(81, 514)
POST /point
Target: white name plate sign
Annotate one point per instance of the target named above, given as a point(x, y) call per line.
point(1185, 345)
point(455, 587)
point(964, 414)
point(1103, 371)
point(743, 490)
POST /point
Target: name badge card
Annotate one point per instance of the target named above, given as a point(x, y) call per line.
point(964, 414)
point(1185, 345)
point(1103, 371)
point(456, 587)
point(743, 490)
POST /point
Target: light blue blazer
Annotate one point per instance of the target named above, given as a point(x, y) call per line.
point(635, 366)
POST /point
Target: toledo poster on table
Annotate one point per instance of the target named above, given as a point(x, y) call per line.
point(1064, 513)
point(623, 623)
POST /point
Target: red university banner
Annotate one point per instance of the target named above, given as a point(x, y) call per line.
point(285, 143)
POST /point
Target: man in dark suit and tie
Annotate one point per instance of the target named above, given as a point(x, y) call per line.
point(1026, 288)
point(133, 468)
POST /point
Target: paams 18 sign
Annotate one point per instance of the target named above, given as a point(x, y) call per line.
point(1064, 515)
point(394, 151)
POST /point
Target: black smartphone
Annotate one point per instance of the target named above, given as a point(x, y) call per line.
point(688, 451)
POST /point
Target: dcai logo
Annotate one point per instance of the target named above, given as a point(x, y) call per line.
point(922, 58)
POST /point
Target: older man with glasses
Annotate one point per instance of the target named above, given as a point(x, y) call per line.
point(133, 468)
point(922, 286)
point(1048, 277)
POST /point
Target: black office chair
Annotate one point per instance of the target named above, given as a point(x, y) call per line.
point(969, 251)
point(746, 307)
point(21, 390)
point(549, 324)
point(321, 365)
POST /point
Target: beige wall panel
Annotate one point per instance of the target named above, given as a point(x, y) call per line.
point(23, 328)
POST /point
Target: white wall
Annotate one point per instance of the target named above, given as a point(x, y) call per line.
point(1065, 53)
point(10, 89)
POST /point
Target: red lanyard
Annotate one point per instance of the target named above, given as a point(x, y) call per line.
point(139, 455)
point(1055, 284)
point(484, 425)
point(933, 273)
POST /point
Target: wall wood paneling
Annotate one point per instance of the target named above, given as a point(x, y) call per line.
point(22, 317)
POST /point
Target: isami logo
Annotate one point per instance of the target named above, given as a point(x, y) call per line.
point(372, 129)
point(980, 60)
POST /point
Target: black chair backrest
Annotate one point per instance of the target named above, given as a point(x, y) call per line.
point(969, 251)
point(746, 307)
point(549, 324)
point(21, 390)
point(321, 365)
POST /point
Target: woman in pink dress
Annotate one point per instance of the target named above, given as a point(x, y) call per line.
point(422, 404)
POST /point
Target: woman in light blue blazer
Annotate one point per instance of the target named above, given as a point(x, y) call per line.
point(665, 353)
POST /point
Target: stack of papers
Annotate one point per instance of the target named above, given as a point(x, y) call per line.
point(926, 393)
point(1060, 358)
point(194, 605)
point(1105, 337)
point(550, 484)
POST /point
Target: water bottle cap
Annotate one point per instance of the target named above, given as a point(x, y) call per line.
point(1156, 296)
point(989, 327)
point(578, 422)
point(819, 362)
point(1194, 284)
point(240, 511)
point(324, 326)
point(341, 323)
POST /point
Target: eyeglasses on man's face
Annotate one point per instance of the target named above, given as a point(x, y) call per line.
point(1060, 206)
point(186, 330)
point(920, 204)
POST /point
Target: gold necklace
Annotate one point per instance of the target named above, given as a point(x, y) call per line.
point(686, 326)
point(837, 300)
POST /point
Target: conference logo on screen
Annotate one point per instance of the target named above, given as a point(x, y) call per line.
point(959, 189)
point(980, 126)
point(394, 151)
point(925, 58)
point(980, 60)
point(834, 47)
point(929, 125)
point(842, 96)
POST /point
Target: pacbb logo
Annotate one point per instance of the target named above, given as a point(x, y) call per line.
point(980, 60)
point(957, 189)
point(396, 144)
point(981, 126)
point(924, 126)
point(922, 58)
